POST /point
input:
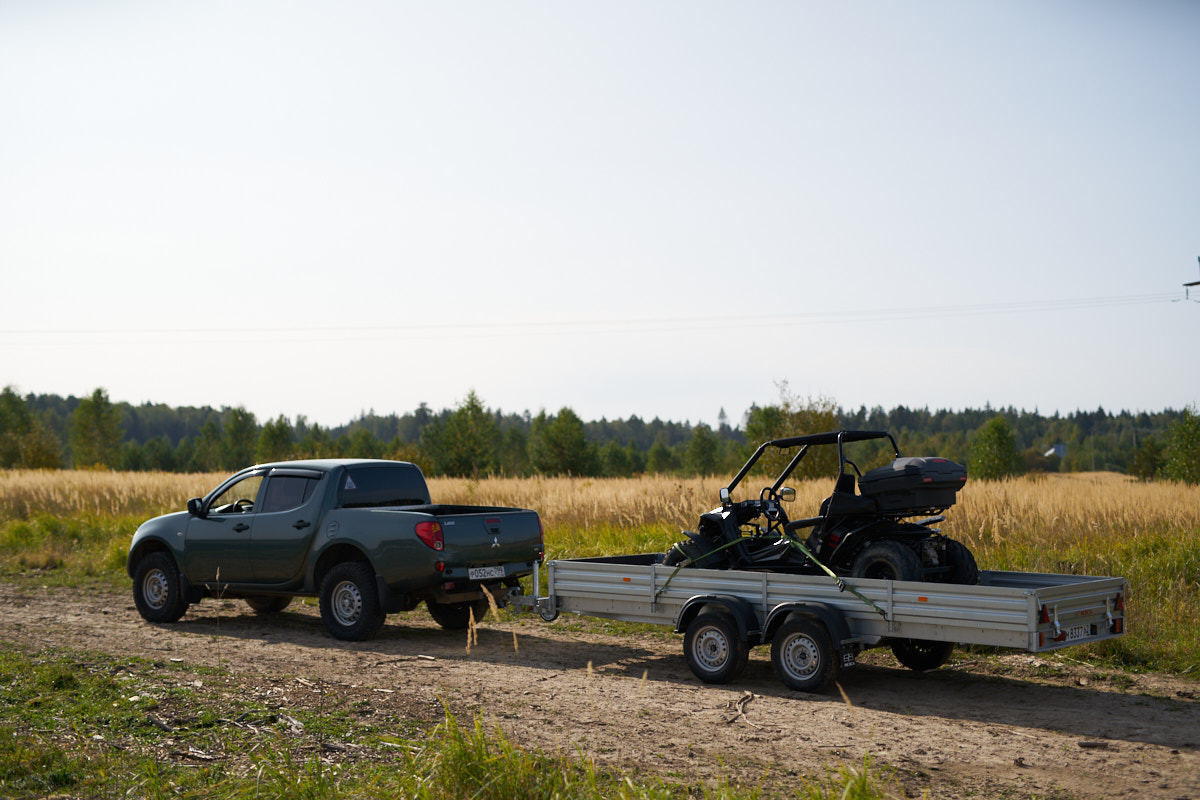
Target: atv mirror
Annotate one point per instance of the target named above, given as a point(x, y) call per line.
point(724, 496)
point(787, 494)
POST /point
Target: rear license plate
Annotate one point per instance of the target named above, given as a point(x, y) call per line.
point(484, 573)
point(1078, 632)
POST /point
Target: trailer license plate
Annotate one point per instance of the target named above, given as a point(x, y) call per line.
point(1078, 632)
point(485, 573)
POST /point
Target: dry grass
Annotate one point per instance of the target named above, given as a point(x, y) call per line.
point(1099, 524)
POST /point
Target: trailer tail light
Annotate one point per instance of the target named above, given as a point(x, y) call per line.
point(1119, 605)
point(431, 534)
point(1044, 616)
point(1118, 626)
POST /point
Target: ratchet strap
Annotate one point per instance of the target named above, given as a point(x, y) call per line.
point(841, 584)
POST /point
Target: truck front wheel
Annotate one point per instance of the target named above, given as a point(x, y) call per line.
point(157, 589)
point(350, 602)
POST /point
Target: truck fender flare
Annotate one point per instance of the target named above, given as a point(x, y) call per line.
point(833, 620)
point(738, 608)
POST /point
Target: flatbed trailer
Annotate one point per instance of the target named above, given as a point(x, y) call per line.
point(815, 627)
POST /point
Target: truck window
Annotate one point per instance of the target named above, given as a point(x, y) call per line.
point(288, 491)
point(238, 498)
point(363, 487)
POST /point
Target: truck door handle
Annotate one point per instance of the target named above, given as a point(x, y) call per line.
point(241, 526)
point(301, 525)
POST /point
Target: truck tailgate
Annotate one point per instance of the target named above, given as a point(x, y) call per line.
point(477, 536)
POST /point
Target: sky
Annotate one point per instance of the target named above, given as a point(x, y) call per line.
point(662, 209)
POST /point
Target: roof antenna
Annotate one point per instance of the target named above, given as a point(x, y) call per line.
point(1187, 287)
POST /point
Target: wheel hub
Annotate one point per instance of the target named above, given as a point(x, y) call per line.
point(800, 657)
point(347, 602)
point(712, 649)
point(155, 588)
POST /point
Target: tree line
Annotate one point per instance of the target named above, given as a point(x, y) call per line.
point(49, 431)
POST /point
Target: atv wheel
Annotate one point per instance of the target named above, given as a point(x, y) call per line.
point(679, 552)
point(457, 616)
point(963, 568)
point(922, 655)
point(888, 561)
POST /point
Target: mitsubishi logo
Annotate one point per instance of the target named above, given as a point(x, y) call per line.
point(495, 542)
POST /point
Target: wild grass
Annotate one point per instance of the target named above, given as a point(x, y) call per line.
point(91, 725)
point(65, 523)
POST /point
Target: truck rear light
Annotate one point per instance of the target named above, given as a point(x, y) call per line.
point(431, 534)
point(440, 566)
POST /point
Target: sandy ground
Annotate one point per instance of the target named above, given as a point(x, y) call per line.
point(1010, 726)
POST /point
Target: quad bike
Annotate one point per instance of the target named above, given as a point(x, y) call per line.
point(864, 534)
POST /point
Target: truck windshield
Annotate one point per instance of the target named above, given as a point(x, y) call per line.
point(365, 487)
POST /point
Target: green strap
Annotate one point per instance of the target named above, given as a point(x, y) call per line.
point(841, 584)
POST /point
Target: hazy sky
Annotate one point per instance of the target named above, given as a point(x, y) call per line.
point(651, 208)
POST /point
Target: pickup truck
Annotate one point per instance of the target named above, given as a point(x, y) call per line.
point(361, 535)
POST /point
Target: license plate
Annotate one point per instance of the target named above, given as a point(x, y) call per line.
point(1078, 632)
point(485, 573)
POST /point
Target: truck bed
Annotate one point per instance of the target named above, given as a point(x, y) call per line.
point(1030, 611)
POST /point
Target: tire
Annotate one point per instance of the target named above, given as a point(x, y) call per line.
point(457, 616)
point(888, 560)
point(803, 656)
point(922, 655)
point(679, 552)
point(158, 588)
point(714, 649)
point(350, 602)
point(963, 568)
point(268, 605)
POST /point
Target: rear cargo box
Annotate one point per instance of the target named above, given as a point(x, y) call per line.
point(917, 485)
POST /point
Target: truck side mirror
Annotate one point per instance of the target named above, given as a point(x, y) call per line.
point(193, 506)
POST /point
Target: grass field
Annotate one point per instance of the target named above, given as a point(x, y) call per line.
point(63, 527)
point(69, 525)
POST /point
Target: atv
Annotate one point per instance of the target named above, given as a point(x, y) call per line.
point(868, 533)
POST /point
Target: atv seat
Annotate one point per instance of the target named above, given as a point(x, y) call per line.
point(844, 502)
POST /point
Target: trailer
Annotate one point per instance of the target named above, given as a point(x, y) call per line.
point(816, 626)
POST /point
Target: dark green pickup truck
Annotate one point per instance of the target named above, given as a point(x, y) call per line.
point(362, 535)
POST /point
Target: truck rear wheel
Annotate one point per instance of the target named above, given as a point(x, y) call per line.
point(158, 589)
point(922, 655)
point(457, 616)
point(714, 649)
point(350, 602)
point(803, 656)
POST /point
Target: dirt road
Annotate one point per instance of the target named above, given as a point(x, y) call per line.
point(1011, 726)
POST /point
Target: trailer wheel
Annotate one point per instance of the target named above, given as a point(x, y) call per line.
point(350, 602)
point(922, 655)
point(888, 560)
point(457, 616)
point(157, 589)
point(803, 656)
point(714, 649)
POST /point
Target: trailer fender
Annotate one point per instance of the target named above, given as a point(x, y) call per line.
point(833, 620)
point(741, 611)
